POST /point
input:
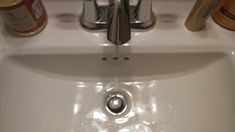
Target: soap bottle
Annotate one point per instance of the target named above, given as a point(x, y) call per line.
point(200, 13)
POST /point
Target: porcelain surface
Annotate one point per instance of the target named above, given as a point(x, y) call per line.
point(174, 80)
point(167, 93)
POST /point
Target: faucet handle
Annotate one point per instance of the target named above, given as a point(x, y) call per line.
point(143, 14)
point(90, 14)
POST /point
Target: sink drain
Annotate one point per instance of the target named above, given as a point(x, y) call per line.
point(116, 103)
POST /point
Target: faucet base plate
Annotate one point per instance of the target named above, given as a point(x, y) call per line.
point(101, 23)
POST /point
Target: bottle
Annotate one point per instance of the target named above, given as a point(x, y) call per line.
point(225, 15)
point(200, 13)
point(23, 17)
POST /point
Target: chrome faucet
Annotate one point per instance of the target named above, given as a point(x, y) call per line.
point(118, 17)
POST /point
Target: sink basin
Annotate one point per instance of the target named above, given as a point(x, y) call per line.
point(167, 92)
point(172, 80)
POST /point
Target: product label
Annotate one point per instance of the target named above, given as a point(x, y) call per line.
point(227, 13)
point(37, 9)
point(19, 19)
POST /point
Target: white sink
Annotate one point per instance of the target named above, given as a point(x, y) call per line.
point(175, 92)
point(174, 80)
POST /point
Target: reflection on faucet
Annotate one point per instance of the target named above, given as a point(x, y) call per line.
point(118, 17)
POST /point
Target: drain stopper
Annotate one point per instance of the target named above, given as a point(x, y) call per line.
point(115, 103)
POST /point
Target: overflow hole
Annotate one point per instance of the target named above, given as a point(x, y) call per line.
point(104, 58)
point(115, 58)
point(126, 58)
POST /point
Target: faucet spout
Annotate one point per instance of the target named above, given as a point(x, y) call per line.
point(118, 22)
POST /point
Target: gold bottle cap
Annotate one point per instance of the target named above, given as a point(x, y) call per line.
point(8, 3)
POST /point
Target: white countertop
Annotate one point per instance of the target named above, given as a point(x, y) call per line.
point(63, 33)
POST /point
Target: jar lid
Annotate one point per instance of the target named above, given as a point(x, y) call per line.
point(8, 3)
